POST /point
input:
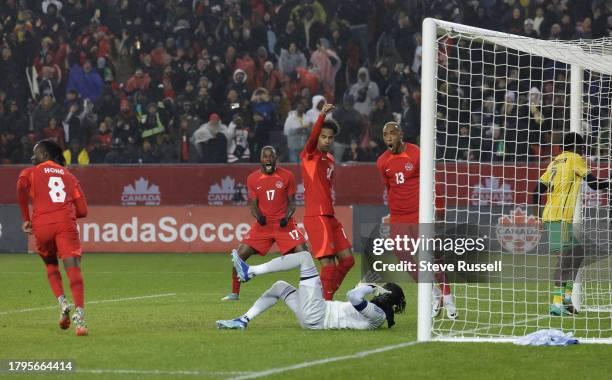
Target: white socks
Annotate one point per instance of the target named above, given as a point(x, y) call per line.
point(303, 260)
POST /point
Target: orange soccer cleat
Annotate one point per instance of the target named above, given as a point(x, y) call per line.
point(79, 322)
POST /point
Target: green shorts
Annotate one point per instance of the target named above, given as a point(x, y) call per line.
point(560, 235)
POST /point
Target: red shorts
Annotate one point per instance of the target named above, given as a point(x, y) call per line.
point(326, 235)
point(261, 238)
point(57, 240)
point(404, 225)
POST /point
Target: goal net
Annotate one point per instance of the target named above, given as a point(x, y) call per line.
point(495, 108)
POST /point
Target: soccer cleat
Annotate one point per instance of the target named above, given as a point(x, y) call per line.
point(80, 327)
point(232, 324)
point(64, 320)
point(231, 297)
point(559, 310)
point(378, 290)
point(242, 268)
point(449, 305)
point(436, 301)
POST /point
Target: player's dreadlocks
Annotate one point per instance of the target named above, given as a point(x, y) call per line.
point(573, 142)
point(391, 303)
point(54, 151)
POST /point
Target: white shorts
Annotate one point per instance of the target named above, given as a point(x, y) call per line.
point(311, 309)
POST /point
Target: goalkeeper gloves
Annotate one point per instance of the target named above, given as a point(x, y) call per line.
point(284, 222)
point(261, 220)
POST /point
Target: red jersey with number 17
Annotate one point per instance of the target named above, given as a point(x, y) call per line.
point(53, 190)
point(318, 174)
point(400, 173)
point(271, 192)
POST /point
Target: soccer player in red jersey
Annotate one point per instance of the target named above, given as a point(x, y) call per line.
point(57, 200)
point(272, 202)
point(399, 168)
point(328, 241)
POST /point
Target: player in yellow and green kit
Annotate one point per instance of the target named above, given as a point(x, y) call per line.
point(561, 183)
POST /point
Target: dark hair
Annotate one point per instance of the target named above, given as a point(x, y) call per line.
point(331, 124)
point(571, 141)
point(391, 303)
point(53, 150)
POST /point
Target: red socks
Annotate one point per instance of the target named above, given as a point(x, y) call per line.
point(55, 280)
point(332, 276)
point(235, 282)
point(329, 275)
point(441, 280)
point(76, 285)
point(344, 266)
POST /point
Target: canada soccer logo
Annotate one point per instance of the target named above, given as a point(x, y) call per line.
point(227, 192)
point(142, 193)
point(279, 185)
point(409, 166)
point(518, 232)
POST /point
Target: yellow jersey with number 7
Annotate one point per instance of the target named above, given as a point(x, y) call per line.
point(563, 178)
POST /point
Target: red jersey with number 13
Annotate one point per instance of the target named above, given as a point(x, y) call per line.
point(53, 190)
point(400, 173)
point(318, 174)
point(272, 191)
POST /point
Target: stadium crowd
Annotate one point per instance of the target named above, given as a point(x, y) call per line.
point(156, 81)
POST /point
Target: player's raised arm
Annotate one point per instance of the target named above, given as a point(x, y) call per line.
point(313, 139)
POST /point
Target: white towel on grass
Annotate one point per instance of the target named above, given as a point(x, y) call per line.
point(547, 337)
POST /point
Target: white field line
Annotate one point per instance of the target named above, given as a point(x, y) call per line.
point(157, 372)
point(90, 303)
point(358, 355)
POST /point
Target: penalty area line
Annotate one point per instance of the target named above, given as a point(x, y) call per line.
point(90, 303)
point(358, 355)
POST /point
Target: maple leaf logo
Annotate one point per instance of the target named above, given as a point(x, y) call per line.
point(518, 232)
point(141, 193)
point(228, 191)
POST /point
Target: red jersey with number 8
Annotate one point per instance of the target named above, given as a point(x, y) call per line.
point(400, 173)
point(53, 190)
point(271, 192)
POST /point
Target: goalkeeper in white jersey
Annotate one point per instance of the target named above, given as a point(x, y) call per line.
point(307, 302)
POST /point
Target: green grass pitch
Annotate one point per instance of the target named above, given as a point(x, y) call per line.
point(152, 316)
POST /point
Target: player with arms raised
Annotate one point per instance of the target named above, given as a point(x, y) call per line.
point(399, 169)
point(57, 200)
point(561, 183)
point(272, 202)
point(326, 235)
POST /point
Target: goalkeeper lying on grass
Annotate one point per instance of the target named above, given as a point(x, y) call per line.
point(307, 302)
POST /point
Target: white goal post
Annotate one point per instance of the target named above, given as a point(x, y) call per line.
point(494, 108)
